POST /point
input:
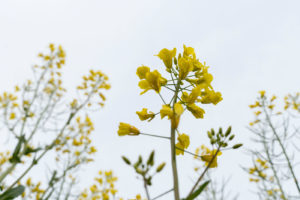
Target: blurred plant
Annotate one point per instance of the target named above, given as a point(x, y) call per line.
point(145, 170)
point(274, 164)
point(190, 85)
point(44, 125)
point(103, 188)
point(216, 190)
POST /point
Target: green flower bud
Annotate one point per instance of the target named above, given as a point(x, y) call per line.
point(228, 131)
point(236, 146)
point(160, 167)
point(126, 160)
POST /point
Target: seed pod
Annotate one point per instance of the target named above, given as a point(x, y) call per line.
point(160, 167)
point(220, 130)
point(126, 160)
point(236, 146)
point(228, 131)
point(212, 131)
point(150, 160)
point(231, 137)
point(209, 134)
point(224, 145)
point(137, 164)
point(175, 61)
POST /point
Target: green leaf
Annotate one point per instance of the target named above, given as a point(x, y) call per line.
point(12, 193)
point(198, 191)
point(15, 157)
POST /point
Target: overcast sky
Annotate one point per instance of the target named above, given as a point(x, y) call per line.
point(249, 45)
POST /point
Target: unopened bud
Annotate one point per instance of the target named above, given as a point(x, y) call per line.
point(236, 146)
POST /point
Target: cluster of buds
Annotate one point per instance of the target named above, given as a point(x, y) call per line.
point(145, 169)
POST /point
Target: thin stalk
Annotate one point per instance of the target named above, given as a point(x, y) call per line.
point(146, 188)
point(204, 172)
point(173, 150)
point(158, 136)
point(163, 194)
point(273, 169)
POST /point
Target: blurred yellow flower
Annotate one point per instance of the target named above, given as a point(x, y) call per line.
point(208, 156)
point(183, 143)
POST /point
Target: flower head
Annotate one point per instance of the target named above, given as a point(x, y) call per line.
point(127, 129)
point(167, 56)
point(153, 80)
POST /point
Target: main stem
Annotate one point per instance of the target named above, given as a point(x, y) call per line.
point(174, 165)
point(173, 150)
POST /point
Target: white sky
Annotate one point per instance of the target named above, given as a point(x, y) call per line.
point(250, 45)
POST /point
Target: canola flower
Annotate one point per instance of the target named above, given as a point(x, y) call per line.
point(190, 85)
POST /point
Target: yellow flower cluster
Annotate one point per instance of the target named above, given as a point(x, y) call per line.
point(208, 156)
point(4, 157)
point(190, 84)
point(150, 80)
point(292, 101)
point(262, 104)
point(258, 171)
point(35, 190)
point(194, 79)
point(103, 188)
point(93, 83)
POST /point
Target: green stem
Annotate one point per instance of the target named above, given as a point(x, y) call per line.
point(173, 149)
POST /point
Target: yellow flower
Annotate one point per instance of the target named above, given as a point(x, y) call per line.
point(94, 188)
point(167, 56)
point(174, 116)
point(144, 115)
point(185, 67)
point(166, 111)
point(183, 143)
point(127, 129)
point(192, 97)
point(153, 80)
point(262, 93)
point(142, 71)
point(209, 156)
point(196, 110)
point(273, 98)
point(138, 197)
point(211, 97)
point(28, 182)
point(257, 104)
point(188, 51)
point(12, 115)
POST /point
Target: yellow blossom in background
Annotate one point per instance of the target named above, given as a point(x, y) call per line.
point(183, 143)
point(127, 129)
point(262, 93)
point(208, 156)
